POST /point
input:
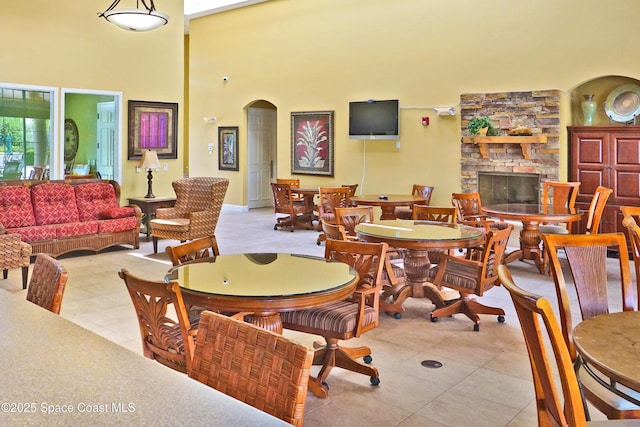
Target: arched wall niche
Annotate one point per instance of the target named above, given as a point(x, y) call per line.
point(600, 87)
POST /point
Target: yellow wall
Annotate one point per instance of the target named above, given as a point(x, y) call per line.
point(64, 44)
point(320, 54)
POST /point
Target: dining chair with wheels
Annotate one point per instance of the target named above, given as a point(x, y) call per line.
point(14, 253)
point(330, 199)
point(295, 212)
point(195, 213)
point(349, 218)
point(586, 255)
point(470, 277)
point(166, 339)
point(556, 406)
point(47, 284)
point(469, 208)
point(347, 319)
point(293, 183)
point(258, 367)
point(402, 212)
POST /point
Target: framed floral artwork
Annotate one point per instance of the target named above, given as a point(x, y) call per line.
point(228, 148)
point(312, 143)
point(153, 126)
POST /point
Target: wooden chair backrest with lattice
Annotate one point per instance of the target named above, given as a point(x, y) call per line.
point(435, 213)
point(47, 284)
point(167, 340)
point(329, 199)
point(352, 216)
point(469, 206)
point(334, 231)
point(195, 250)
point(258, 367)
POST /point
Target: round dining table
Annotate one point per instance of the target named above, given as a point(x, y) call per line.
point(531, 216)
point(388, 202)
point(418, 238)
point(263, 284)
point(611, 344)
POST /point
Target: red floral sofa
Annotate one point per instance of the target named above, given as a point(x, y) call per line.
point(56, 217)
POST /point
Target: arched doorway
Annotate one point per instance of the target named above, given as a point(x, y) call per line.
point(262, 151)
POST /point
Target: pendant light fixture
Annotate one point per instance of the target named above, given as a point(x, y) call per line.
point(138, 19)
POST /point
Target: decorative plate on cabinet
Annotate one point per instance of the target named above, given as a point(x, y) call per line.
point(623, 103)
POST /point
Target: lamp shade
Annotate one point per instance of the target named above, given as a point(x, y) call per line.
point(149, 160)
point(138, 19)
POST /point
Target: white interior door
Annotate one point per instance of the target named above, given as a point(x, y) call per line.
point(106, 150)
point(261, 155)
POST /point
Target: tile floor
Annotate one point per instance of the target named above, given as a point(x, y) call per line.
point(485, 378)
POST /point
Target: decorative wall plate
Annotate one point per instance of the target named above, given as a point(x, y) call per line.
point(70, 140)
point(623, 103)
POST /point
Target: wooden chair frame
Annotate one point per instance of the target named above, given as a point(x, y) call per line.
point(586, 255)
point(417, 190)
point(202, 249)
point(47, 284)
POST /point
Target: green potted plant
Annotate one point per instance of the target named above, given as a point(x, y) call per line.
point(477, 125)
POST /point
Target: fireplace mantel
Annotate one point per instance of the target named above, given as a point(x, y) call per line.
point(524, 141)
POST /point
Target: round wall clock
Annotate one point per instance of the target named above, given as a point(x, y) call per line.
point(70, 140)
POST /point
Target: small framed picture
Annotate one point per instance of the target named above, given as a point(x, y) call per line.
point(228, 148)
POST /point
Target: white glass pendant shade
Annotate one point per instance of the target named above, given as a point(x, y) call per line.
point(142, 19)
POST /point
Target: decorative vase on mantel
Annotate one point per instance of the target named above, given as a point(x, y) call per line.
point(588, 109)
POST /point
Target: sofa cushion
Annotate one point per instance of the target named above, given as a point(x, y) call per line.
point(36, 233)
point(54, 203)
point(15, 207)
point(113, 213)
point(95, 198)
point(115, 225)
point(72, 229)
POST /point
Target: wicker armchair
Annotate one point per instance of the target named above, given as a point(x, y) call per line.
point(14, 254)
point(47, 284)
point(170, 342)
point(254, 365)
point(196, 212)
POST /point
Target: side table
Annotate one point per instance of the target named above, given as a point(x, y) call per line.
point(148, 208)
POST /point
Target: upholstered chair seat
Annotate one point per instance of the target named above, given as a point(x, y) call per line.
point(339, 317)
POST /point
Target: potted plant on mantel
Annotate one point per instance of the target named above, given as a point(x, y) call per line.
point(481, 125)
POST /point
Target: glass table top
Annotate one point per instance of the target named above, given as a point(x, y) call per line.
point(530, 209)
point(418, 230)
point(262, 275)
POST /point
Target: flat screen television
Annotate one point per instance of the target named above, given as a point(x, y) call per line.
point(374, 119)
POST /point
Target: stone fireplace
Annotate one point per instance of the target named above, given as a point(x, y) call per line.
point(537, 110)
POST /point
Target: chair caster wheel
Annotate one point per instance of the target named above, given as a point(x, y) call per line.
point(397, 315)
point(291, 230)
point(275, 227)
point(501, 319)
point(318, 243)
point(433, 319)
point(325, 385)
point(375, 381)
point(367, 359)
point(476, 327)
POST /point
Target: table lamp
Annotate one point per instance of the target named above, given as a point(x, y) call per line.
point(149, 162)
